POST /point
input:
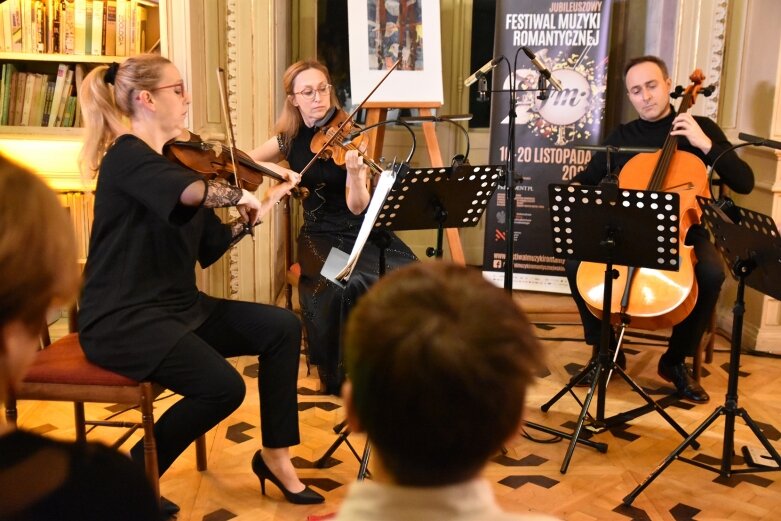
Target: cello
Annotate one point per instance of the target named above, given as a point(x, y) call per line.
point(652, 298)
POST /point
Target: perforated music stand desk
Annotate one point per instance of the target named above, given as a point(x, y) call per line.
point(634, 228)
point(751, 248)
point(424, 199)
point(439, 198)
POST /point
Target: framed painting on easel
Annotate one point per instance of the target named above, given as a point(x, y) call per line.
point(381, 32)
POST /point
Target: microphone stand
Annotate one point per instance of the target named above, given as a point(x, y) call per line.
point(509, 186)
point(510, 177)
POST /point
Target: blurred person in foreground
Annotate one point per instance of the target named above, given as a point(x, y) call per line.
point(438, 362)
point(41, 478)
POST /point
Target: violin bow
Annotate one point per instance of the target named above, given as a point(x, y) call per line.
point(228, 123)
point(348, 119)
point(221, 83)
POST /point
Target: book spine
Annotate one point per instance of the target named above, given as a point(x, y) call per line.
point(47, 107)
point(16, 25)
point(97, 27)
point(62, 70)
point(80, 26)
point(111, 27)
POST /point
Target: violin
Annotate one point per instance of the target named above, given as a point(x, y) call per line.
point(657, 299)
point(330, 140)
point(335, 134)
point(215, 161)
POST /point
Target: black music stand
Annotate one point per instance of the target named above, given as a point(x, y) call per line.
point(420, 199)
point(752, 250)
point(448, 197)
point(439, 198)
point(597, 225)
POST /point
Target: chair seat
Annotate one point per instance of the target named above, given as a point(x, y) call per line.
point(64, 362)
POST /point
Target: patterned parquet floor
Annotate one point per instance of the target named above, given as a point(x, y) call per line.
point(526, 478)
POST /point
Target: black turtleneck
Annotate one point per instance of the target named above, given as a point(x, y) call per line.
point(733, 171)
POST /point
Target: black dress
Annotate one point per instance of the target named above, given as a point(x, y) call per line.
point(329, 223)
point(43, 479)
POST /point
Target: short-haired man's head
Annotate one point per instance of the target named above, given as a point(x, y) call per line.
point(37, 249)
point(646, 59)
point(439, 360)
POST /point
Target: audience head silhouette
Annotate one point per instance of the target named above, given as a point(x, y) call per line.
point(438, 361)
point(38, 267)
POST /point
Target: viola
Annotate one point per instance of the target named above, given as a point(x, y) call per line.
point(656, 299)
point(215, 161)
point(330, 140)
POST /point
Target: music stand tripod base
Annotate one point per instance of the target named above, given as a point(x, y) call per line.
point(752, 250)
point(596, 225)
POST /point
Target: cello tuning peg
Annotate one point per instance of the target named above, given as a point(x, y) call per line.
point(707, 91)
point(677, 92)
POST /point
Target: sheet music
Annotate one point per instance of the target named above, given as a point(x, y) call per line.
point(381, 191)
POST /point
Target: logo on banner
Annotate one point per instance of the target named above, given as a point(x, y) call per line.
point(574, 112)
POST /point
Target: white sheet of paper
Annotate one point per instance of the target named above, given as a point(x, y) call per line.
point(381, 191)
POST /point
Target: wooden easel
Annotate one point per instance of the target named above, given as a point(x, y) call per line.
point(376, 112)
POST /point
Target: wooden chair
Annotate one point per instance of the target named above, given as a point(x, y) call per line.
point(62, 373)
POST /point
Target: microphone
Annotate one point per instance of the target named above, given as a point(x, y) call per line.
point(543, 69)
point(482, 89)
point(482, 71)
point(760, 141)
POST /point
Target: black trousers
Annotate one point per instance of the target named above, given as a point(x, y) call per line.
point(212, 389)
point(686, 335)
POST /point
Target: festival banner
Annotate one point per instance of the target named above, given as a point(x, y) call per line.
point(571, 40)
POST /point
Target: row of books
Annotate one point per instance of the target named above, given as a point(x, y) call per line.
point(81, 206)
point(40, 100)
point(86, 27)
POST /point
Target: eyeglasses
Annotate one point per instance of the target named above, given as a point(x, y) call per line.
point(309, 93)
point(178, 87)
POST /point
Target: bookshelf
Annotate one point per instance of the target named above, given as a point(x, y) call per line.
point(43, 38)
point(52, 151)
point(47, 47)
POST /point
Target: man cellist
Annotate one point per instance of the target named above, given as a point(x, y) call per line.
point(648, 88)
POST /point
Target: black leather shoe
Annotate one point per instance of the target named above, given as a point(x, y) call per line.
point(685, 384)
point(168, 508)
point(330, 382)
point(305, 497)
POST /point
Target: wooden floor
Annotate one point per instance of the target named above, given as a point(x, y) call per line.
point(528, 477)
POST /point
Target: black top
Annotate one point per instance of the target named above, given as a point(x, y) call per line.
point(325, 210)
point(733, 171)
point(140, 296)
point(43, 479)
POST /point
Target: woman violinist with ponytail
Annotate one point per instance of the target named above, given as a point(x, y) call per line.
point(141, 313)
point(648, 88)
point(333, 213)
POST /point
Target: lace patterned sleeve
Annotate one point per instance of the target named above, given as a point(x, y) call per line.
point(221, 195)
point(238, 230)
point(282, 145)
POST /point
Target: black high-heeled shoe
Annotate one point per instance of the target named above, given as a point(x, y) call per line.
point(305, 497)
